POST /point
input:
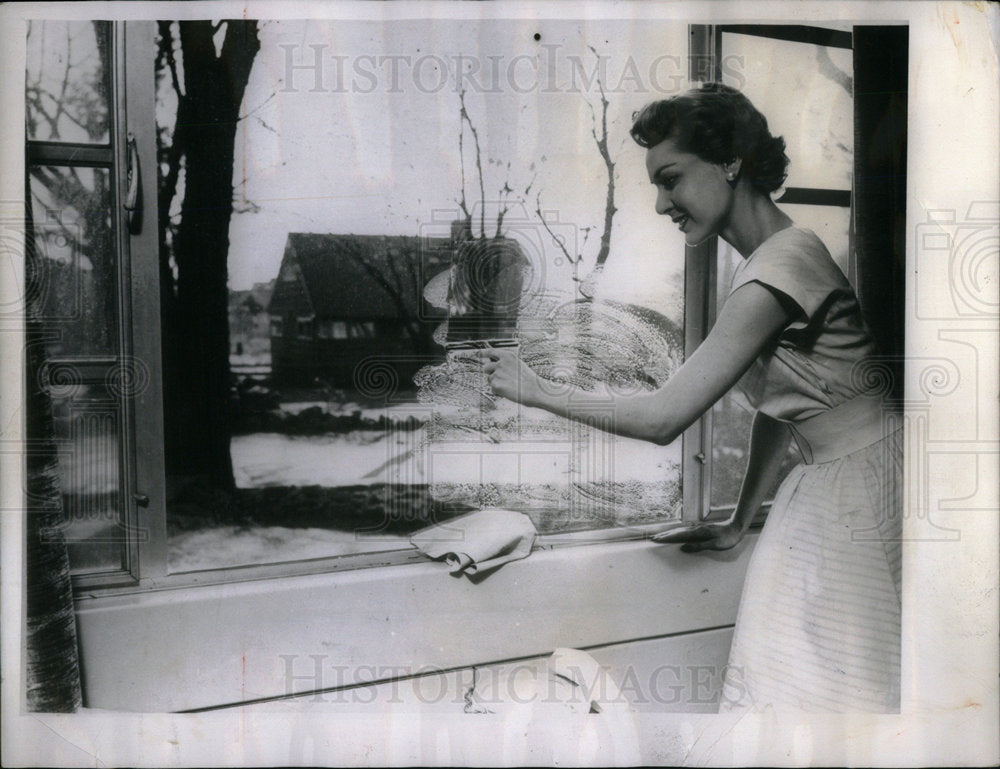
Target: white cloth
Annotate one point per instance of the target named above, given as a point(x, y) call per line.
point(478, 542)
point(567, 694)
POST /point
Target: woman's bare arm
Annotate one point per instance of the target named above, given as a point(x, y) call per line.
point(750, 318)
point(769, 440)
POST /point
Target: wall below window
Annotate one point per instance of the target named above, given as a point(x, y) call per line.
point(209, 646)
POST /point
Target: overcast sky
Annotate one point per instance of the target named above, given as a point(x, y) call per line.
point(361, 135)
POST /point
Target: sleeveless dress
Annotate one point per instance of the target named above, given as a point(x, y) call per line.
point(818, 626)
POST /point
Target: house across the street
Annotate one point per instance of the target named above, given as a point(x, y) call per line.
point(341, 301)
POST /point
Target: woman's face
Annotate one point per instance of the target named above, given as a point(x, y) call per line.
point(694, 193)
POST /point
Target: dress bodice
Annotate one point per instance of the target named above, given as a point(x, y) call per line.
point(814, 364)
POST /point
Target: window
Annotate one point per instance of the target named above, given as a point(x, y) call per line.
point(332, 454)
point(84, 192)
point(290, 274)
point(800, 78)
point(304, 328)
point(321, 459)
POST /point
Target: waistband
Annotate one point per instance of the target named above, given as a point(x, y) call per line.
point(842, 430)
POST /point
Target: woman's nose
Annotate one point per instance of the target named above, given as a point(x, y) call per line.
point(663, 201)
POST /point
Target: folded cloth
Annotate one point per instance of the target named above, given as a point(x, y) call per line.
point(478, 542)
point(569, 691)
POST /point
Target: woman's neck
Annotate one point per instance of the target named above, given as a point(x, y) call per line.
point(754, 219)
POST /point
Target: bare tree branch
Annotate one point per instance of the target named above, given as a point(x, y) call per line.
point(602, 147)
point(574, 260)
point(830, 70)
point(479, 165)
point(505, 192)
point(461, 160)
point(397, 287)
point(601, 140)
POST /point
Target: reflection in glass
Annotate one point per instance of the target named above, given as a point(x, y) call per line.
point(86, 420)
point(66, 88)
point(71, 210)
point(806, 93)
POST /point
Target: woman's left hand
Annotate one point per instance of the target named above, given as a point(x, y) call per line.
point(509, 376)
point(694, 537)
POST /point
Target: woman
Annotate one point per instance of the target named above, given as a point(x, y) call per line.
point(818, 624)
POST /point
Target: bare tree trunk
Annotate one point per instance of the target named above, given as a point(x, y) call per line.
point(199, 364)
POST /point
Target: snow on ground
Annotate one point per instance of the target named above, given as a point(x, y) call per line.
point(367, 457)
point(236, 546)
point(395, 412)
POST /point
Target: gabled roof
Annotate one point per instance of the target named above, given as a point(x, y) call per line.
point(374, 277)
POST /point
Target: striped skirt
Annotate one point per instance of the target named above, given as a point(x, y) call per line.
point(818, 627)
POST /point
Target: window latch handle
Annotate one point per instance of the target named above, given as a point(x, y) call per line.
point(142, 500)
point(700, 456)
point(133, 196)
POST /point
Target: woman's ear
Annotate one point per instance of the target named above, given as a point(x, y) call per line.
point(732, 168)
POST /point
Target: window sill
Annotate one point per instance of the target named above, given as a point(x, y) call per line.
point(228, 643)
point(405, 554)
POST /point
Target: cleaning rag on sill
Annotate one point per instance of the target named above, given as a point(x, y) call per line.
point(478, 542)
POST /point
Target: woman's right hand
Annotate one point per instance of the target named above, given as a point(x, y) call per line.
point(721, 535)
point(509, 377)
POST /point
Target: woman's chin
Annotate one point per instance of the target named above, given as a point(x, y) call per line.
point(696, 238)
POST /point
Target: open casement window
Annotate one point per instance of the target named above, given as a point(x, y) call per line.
point(92, 185)
point(91, 189)
point(800, 78)
point(152, 624)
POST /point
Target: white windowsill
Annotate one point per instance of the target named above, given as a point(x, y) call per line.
point(220, 644)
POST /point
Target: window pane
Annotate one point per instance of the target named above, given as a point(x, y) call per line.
point(328, 462)
point(566, 476)
point(78, 283)
point(338, 465)
point(806, 93)
point(67, 81)
point(87, 434)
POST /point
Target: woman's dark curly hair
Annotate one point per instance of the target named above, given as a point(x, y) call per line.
point(718, 124)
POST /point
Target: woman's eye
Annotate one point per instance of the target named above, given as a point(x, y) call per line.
point(668, 182)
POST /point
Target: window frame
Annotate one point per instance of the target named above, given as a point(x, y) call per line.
point(146, 498)
point(706, 53)
point(305, 327)
point(234, 624)
point(137, 283)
